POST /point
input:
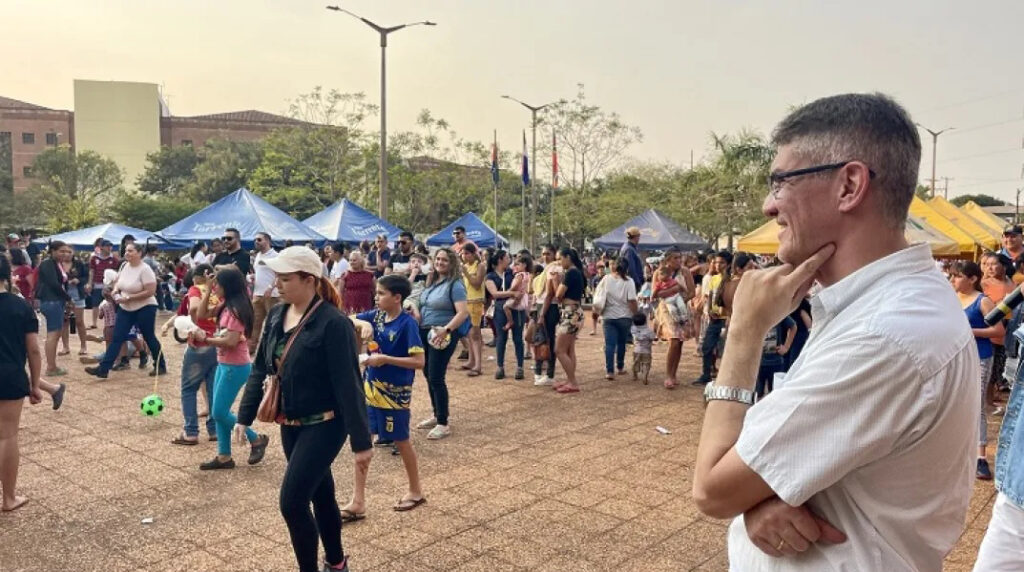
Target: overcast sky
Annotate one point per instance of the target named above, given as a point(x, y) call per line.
point(677, 69)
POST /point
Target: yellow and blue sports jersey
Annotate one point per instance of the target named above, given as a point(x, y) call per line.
point(390, 386)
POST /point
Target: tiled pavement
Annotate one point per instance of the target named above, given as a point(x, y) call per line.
point(529, 480)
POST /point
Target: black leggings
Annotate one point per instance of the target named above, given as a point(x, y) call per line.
point(435, 368)
point(310, 450)
point(550, 321)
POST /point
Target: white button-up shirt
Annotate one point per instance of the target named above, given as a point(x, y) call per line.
point(875, 425)
point(264, 277)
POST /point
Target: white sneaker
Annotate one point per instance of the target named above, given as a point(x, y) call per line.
point(427, 423)
point(439, 432)
point(542, 380)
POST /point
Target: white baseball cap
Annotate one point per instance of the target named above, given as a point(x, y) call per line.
point(295, 259)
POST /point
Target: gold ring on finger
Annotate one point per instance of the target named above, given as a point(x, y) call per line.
point(781, 544)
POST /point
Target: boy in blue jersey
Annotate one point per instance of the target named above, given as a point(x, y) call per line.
point(388, 387)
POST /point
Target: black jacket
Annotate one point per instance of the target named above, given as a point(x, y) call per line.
point(320, 373)
point(50, 284)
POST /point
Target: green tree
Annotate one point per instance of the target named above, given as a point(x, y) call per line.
point(6, 158)
point(151, 212)
point(75, 189)
point(169, 171)
point(224, 167)
point(923, 192)
point(981, 200)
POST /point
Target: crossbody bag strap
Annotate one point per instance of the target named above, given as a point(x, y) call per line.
point(295, 334)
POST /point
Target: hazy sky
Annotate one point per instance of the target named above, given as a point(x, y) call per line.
point(677, 69)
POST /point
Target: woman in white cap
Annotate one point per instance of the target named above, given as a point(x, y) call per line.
point(311, 346)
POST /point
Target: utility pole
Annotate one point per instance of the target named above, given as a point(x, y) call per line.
point(945, 187)
point(533, 188)
point(1016, 209)
point(935, 144)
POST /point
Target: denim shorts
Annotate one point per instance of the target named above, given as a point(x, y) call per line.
point(53, 311)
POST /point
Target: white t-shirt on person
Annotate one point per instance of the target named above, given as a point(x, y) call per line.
point(875, 425)
point(263, 276)
point(132, 280)
point(617, 294)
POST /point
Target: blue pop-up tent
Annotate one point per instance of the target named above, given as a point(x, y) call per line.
point(657, 232)
point(476, 230)
point(247, 213)
point(347, 222)
point(84, 239)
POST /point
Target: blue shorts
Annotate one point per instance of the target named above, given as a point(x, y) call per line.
point(389, 424)
point(53, 311)
point(96, 296)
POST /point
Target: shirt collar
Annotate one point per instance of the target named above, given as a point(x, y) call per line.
point(834, 299)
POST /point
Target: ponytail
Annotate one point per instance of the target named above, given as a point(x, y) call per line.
point(328, 293)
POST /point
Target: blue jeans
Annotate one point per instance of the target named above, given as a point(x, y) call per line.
point(145, 319)
point(198, 365)
point(435, 368)
point(501, 334)
point(616, 334)
point(766, 374)
point(548, 321)
point(228, 381)
point(53, 311)
point(712, 337)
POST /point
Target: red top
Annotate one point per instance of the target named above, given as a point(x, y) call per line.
point(20, 275)
point(359, 294)
point(100, 265)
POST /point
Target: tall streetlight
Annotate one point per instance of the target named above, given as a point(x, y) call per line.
point(935, 144)
point(383, 31)
point(533, 192)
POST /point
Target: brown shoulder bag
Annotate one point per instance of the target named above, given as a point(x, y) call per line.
point(270, 406)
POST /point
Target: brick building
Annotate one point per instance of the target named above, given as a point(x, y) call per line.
point(26, 130)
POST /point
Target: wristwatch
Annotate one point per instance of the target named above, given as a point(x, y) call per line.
point(724, 393)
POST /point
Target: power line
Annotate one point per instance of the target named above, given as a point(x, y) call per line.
point(966, 157)
point(986, 126)
point(975, 100)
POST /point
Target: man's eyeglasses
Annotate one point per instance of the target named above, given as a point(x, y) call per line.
point(777, 180)
point(227, 238)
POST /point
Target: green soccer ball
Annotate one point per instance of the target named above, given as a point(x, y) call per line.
point(152, 405)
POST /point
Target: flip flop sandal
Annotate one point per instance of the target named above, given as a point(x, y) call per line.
point(348, 516)
point(473, 373)
point(182, 440)
point(56, 373)
point(406, 505)
point(64, 353)
point(568, 389)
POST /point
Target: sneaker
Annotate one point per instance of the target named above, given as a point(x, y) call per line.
point(700, 381)
point(382, 442)
point(984, 473)
point(500, 373)
point(328, 568)
point(58, 396)
point(429, 423)
point(216, 465)
point(519, 374)
point(439, 432)
point(121, 366)
point(542, 380)
point(158, 371)
point(143, 360)
point(258, 449)
point(96, 371)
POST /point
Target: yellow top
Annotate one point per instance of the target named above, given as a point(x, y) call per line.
point(473, 294)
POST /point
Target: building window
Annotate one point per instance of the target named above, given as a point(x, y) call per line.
point(26, 171)
point(51, 139)
point(186, 142)
point(28, 138)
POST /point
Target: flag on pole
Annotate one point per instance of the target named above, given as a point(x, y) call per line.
point(554, 160)
point(526, 163)
point(494, 159)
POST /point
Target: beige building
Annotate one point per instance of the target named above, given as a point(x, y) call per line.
point(119, 120)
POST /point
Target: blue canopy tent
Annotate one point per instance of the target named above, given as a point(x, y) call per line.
point(476, 230)
point(347, 222)
point(246, 212)
point(84, 239)
point(657, 232)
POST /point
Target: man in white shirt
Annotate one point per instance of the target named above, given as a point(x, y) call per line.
point(863, 456)
point(340, 266)
point(264, 290)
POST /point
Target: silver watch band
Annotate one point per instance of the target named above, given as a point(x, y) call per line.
point(725, 393)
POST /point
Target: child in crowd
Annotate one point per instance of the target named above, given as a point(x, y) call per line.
point(773, 355)
point(643, 337)
point(390, 370)
point(418, 279)
point(520, 283)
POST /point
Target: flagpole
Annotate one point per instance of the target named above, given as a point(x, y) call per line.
point(494, 178)
point(554, 184)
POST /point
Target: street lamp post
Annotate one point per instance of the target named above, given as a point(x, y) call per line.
point(935, 144)
point(383, 31)
point(533, 190)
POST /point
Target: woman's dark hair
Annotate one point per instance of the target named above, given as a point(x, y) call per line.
point(573, 256)
point(5, 271)
point(396, 284)
point(622, 267)
point(365, 246)
point(236, 297)
point(970, 270)
point(124, 242)
point(469, 247)
point(741, 260)
point(18, 257)
point(55, 245)
point(196, 248)
point(187, 280)
point(421, 249)
point(495, 258)
point(526, 260)
point(537, 269)
point(201, 270)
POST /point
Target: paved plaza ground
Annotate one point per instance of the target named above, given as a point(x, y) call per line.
point(529, 480)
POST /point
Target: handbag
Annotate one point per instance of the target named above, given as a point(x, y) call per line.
point(463, 329)
point(600, 296)
point(541, 347)
point(270, 405)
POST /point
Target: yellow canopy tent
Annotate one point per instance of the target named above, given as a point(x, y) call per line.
point(984, 217)
point(981, 234)
point(765, 239)
point(925, 212)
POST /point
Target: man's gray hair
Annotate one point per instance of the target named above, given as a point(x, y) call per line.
point(871, 128)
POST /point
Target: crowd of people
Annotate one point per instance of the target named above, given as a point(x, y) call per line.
point(326, 343)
